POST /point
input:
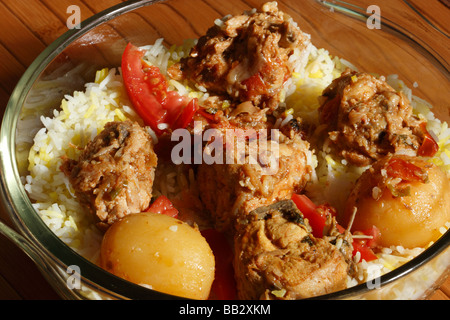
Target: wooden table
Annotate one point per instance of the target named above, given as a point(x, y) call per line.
point(26, 28)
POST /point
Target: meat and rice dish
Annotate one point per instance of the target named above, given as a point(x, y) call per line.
point(270, 225)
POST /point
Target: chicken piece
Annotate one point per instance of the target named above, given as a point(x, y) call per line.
point(247, 57)
point(366, 119)
point(277, 257)
point(114, 175)
point(230, 191)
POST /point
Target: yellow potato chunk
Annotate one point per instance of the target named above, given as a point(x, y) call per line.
point(159, 251)
point(406, 198)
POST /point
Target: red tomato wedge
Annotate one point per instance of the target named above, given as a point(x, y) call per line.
point(429, 146)
point(163, 205)
point(365, 246)
point(304, 204)
point(317, 217)
point(224, 285)
point(148, 91)
point(365, 252)
point(400, 168)
point(375, 233)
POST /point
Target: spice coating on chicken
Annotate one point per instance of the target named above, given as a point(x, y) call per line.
point(366, 119)
point(246, 57)
point(276, 257)
point(114, 175)
point(231, 191)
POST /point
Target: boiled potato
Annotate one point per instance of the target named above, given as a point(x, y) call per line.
point(159, 251)
point(406, 198)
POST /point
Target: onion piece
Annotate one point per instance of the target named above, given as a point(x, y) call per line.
point(244, 107)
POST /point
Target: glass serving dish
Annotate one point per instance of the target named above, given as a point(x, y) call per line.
point(340, 27)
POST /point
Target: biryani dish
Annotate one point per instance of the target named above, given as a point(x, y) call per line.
point(246, 164)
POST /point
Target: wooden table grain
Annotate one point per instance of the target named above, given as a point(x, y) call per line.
point(26, 28)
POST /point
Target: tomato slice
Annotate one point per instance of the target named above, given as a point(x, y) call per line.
point(139, 88)
point(316, 220)
point(224, 285)
point(304, 204)
point(150, 96)
point(186, 115)
point(365, 246)
point(163, 205)
point(365, 251)
point(317, 217)
point(429, 146)
point(400, 168)
point(375, 233)
point(316, 214)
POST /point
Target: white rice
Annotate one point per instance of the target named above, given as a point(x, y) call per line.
point(83, 115)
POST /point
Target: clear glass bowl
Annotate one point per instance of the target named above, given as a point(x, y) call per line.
point(409, 50)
